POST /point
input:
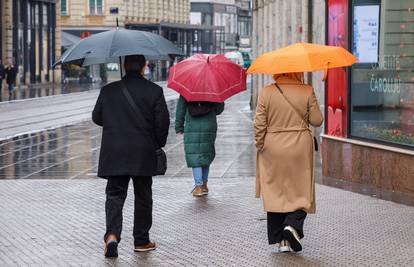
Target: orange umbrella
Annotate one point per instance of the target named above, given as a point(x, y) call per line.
point(302, 57)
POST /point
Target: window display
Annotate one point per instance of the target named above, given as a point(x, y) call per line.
point(382, 94)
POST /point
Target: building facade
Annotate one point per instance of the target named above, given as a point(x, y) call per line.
point(244, 23)
point(169, 18)
point(82, 18)
point(369, 136)
point(30, 39)
point(278, 23)
point(234, 16)
point(96, 14)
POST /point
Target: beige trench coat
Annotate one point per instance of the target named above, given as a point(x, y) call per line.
point(285, 148)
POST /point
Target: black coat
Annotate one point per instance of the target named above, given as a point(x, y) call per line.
point(11, 75)
point(127, 149)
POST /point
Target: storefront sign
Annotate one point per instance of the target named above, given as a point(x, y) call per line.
point(390, 84)
point(386, 85)
point(366, 29)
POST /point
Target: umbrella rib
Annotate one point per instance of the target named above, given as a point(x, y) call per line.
point(112, 41)
point(153, 43)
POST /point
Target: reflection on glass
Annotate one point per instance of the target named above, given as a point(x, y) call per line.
point(382, 94)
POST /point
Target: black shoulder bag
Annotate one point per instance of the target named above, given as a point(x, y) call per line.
point(298, 113)
point(161, 164)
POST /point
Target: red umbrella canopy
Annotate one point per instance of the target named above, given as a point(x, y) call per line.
point(204, 77)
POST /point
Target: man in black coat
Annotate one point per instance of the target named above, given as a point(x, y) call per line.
point(128, 151)
point(11, 73)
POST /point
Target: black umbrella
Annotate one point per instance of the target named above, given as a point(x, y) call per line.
point(109, 46)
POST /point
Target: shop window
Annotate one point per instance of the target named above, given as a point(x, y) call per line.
point(382, 86)
point(95, 7)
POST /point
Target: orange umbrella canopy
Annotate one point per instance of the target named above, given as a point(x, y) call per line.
point(302, 57)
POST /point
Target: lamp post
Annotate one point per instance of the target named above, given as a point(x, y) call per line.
point(115, 11)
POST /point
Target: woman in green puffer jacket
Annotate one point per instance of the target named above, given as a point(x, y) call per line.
point(199, 138)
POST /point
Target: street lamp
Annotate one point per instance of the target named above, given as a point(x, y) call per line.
point(115, 11)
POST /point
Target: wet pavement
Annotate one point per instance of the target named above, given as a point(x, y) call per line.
point(45, 89)
point(34, 115)
point(53, 208)
point(71, 152)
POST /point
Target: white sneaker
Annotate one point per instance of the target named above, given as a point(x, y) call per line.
point(292, 236)
point(284, 246)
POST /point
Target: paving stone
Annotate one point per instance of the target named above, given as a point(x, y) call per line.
point(52, 209)
point(61, 222)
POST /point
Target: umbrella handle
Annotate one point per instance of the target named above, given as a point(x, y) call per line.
point(325, 72)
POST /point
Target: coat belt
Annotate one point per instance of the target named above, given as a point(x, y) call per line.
point(290, 129)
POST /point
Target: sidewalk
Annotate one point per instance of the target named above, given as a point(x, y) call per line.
point(55, 215)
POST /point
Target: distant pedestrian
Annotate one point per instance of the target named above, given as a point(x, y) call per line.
point(128, 150)
point(151, 68)
point(198, 122)
point(11, 73)
point(2, 75)
point(285, 167)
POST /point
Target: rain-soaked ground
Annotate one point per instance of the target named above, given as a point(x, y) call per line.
point(72, 152)
point(41, 90)
point(52, 215)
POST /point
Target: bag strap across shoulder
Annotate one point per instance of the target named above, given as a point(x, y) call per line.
point(315, 141)
point(292, 106)
point(132, 104)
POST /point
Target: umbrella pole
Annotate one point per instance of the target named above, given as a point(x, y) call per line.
point(120, 66)
point(120, 59)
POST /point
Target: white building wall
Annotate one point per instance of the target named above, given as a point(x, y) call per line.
point(278, 23)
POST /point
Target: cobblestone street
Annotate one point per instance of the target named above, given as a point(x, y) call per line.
point(53, 209)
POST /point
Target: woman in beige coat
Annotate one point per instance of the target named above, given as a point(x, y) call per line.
point(285, 151)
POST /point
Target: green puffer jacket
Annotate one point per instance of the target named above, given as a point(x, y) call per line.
point(199, 134)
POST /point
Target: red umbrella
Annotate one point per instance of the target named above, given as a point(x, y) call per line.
point(203, 77)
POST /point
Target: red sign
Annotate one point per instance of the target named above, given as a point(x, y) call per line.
point(337, 122)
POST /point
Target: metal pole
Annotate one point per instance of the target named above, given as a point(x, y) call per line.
point(120, 58)
point(120, 66)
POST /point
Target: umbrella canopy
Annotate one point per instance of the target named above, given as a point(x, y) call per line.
point(302, 57)
point(67, 39)
point(204, 77)
point(109, 46)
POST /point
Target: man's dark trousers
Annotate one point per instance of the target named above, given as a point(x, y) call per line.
point(116, 192)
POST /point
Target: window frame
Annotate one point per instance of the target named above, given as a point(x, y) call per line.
point(351, 5)
point(96, 8)
point(66, 12)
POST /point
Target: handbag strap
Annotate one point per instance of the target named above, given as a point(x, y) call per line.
point(292, 106)
point(132, 104)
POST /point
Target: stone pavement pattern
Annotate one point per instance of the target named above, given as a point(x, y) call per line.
point(61, 223)
point(54, 216)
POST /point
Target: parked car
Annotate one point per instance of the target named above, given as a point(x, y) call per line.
point(236, 57)
point(246, 58)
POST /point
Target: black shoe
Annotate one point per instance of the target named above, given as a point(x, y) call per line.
point(111, 249)
point(290, 234)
